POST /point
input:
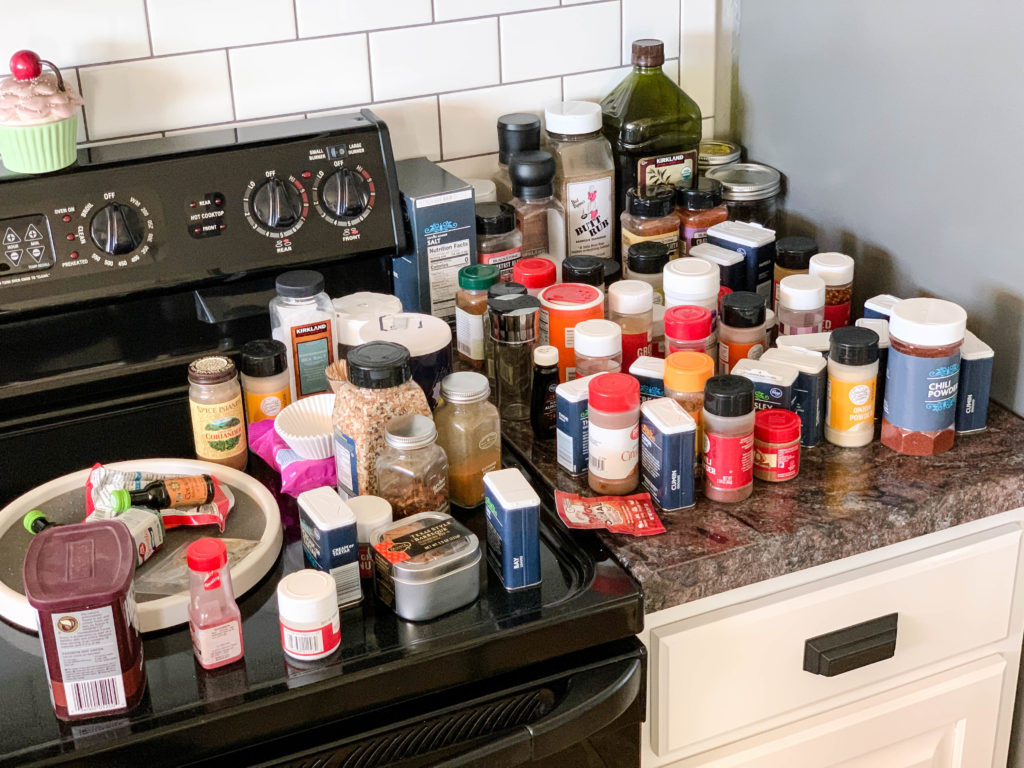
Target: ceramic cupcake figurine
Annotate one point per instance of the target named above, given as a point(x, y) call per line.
point(38, 117)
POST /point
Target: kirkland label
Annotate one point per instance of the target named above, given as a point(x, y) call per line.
point(729, 461)
point(90, 664)
point(503, 260)
point(312, 350)
point(665, 170)
point(469, 333)
point(920, 392)
point(588, 214)
point(614, 452)
point(345, 464)
point(444, 260)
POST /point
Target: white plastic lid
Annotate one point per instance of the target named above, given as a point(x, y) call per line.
point(974, 348)
point(545, 355)
point(834, 268)
point(307, 597)
point(598, 338)
point(668, 416)
point(882, 303)
point(573, 117)
point(802, 292)
point(630, 297)
point(769, 318)
point(742, 233)
point(691, 279)
point(484, 190)
point(928, 322)
point(645, 365)
point(716, 254)
point(511, 489)
point(356, 309)
point(420, 334)
point(326, 508)
point(371, 512)
point(880, 326)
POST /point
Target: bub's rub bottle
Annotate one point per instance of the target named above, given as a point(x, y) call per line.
point(213, 616)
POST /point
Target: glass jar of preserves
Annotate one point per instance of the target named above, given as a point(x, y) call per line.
point(412, 470)
point(469, 430)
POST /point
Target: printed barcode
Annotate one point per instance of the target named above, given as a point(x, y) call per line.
point(311, 642)
point(463, 347)
point(346, 581)
point(597, 462)
point(100, 695)
point(570, 338)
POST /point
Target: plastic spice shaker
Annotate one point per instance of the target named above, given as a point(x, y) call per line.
point(698, 207)
point(792, 257)
point(265, 380)
point(692, 281)
point(614, 434)
point(412, 470)
point(741, 334)
point(536, 274)
point(630, 305)
point(688, 327)
point(218, 418)
point(836, 269)
point(307, 607)
point(728, 420)
point(302, 318)
point(686, 375)
point(563, 307)
point(213, 616)
point(801, 305)
point(852, 377)
point(470, 306)
point(646, 261)
point(498, 242)
point(651, 218)
point(469, 430)
point(598, 347)
point(922, 376)
point(776, 445)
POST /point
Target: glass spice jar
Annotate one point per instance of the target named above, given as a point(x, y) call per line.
point(646, 261)
point(498, 242)
point(498, 289)
point(469, 430)
point(698, 207)
point(514, 322)
point(218, 418)
point(470, 306)
point(714, 153)
point(836, 269)
point(651, 217)
point(751, 192)
point(540, 217)
point(412, 470)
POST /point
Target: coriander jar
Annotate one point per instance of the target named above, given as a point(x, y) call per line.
point(469, 430)
point(218, 417)
point(412, 470)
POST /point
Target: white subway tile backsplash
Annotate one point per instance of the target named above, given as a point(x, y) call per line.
point(156, 94)
point(594, 86)
point(479, 167)
point(650, 18)
point(73, 32)
point(434, 59)
point(699, 27)
point(446, 10)
point(469, 118)
point(300, 76)
point(707, 127)
point(335, 17)
point(177, 26)
point(560, 40)
point(412, 124)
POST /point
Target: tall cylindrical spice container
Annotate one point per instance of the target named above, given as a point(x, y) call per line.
point(218, 418)
point(498, 289)
point(922, 376)
point(801, 305)
point(543, 399)
point(584, 177)
point(213, 616)
point(751, 192)
point(302, 318)
point(688, 327)
point(686, 374)
point(630, 304)
point(598, 347)
point(264, 375)
point(498, 242)
point(836, 269)
point(776, 445)
point(307, 609)
point(539, 216)
point(517, 132)
point(698, 207)
point(379, 387)
point(587, 270)
point(563, 307)
point(658, 346)
point(614, 434)
point(469, 430)
point(355, 310)
point(792, 257)
point(741, 333)
point(514, 331)
point(651, 218)
point(536, 274)
point(646, 261)
point(470, 306)
point(412, 470)
point(850, 396)
point(693, 281)
point(728, 420)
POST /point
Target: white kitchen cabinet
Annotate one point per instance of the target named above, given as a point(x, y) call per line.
point(728, 686)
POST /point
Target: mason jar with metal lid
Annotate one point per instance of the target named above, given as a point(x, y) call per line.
point(751, 192)
point(714, 153)
point(412, 470)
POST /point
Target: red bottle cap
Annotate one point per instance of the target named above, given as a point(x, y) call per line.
point(205, 555)
point(534, 272)
point(776, 425)
point(688, 322)
point(614, 392)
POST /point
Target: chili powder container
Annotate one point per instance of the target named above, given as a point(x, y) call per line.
point(776, 445)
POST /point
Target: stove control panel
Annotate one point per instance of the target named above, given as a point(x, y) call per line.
point(172, 214)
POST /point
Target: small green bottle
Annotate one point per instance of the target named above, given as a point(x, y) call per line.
point(653, 126)
point(36, 522)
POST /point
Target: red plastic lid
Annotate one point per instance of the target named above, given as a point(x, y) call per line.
point(534, 272)
point(614, 392)
point(688, 322)
point(776, 425)
point(205, 555)
point(569, 295)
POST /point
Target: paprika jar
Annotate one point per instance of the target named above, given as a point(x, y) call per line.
point(614, 434)
point(728, 420)
point(776, 445)
point(836, 269)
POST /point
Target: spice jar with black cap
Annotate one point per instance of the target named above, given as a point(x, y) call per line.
point(728, 422)
point(264, 374)
point(514, 330)
point(792, 257)
point(698, 207)
point(646, 261)
point(498, 242)
point(651, 217)
point(539, 216)
point(852, 384)
point(741, 329)
point(497, 289)
point(588, 270)
point(517, 132)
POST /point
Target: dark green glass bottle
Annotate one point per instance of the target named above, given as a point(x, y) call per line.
point(653, 126)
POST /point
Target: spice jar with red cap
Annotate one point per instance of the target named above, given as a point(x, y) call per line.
point(213, 616)
point(535, 273)
point(776, 445)
point(689, 328)
point(614, 434)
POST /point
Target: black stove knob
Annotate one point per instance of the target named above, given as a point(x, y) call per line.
point(117, 228)
point(277, 205)
point(344, 194)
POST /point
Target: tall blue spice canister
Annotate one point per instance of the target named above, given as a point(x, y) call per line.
point(513, 520)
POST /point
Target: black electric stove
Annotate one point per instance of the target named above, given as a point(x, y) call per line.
point(157, 252)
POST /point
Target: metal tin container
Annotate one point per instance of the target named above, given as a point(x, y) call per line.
point(426, 565)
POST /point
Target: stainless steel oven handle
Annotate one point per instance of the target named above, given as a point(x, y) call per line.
point(595, 698)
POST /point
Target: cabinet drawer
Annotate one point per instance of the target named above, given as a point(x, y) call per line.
point(715, 677)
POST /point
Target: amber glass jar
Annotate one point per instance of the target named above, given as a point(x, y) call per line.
point(651, 217)
point(698, 207)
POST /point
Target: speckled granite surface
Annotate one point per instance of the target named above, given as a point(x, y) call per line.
point(844, 502)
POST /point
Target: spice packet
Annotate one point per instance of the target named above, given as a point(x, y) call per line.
point(103, 481)
point(633, 515)
point(297, 474)
point(170, 576)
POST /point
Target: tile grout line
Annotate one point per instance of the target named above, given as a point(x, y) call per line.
point(85, 121)
point(149, 29)
point(440, 133)
point(231, 86)
point(679, 71)
point(369, 66)
point(295, 15)
point(622, 33)
point(501, 66)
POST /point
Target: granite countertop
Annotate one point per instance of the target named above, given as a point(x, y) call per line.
point(845, 501)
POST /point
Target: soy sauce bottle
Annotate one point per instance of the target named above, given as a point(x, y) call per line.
point(543, 405)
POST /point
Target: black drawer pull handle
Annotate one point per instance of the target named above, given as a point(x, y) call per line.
point(836, 652)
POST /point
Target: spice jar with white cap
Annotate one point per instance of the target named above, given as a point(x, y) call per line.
point(692, 281)
point(307, 608)
point(801, 305)
point(630, 305)
point(371, 513)
point(598, 347)
point(836, 269)
point(584, 176)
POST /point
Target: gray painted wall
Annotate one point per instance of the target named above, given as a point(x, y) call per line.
point(899, 126)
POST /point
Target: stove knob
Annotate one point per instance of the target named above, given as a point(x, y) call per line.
point(117, 228)
point(345, 194)
point(276, 204)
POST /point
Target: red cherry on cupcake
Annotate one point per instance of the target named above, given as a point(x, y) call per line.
point(26, 65)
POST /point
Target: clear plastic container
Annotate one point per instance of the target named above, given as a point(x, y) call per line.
point(630, 306)
point(692, 281)
point(469, 430)
point(801, 305)
point(307, 608)
point(836, 269)
point(650, 218)
point(698, 207)
point(686, 374)
point(728, 420)
point(688, 328)
point(302, 318)
point(412, 470)
point(498, 242)
point(614, 408)
point(792, 257)
point(265, 380)
point(213, 616)
point(598, 347)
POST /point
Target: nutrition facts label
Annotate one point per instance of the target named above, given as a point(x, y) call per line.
point(445, 260)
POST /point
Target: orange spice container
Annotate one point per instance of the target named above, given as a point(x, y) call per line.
point(686, 373)
point(562, 307)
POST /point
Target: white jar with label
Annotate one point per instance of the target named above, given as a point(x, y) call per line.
point(307, 606)
point(852, 382)
point(584, 177)
point(303, 319)
point(598, 347)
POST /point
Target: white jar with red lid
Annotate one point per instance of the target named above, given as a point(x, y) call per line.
point(307, 605)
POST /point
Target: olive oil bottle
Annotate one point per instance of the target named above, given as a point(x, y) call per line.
point(653, 126)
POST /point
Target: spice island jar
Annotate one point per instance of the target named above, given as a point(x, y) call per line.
point(218, 418)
